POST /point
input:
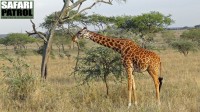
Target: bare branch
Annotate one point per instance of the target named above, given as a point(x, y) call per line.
point(79, 6)
point(106, 2)
point(40, 34)
point(82, 10)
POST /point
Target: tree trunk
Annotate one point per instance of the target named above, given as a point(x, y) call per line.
point(47, 48)
point(106, 83)
point(43, 65)
point(63, 48)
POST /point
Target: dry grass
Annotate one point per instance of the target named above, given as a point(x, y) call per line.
point(61, 93)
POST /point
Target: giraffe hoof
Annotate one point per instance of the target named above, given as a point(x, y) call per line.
point(129, 105)
point(136, 103)
point(159, 103)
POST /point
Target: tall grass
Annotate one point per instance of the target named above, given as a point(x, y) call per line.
point(61, 93)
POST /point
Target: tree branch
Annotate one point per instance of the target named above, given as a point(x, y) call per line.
point(40, 34)
point(106, 2)
point(82, 11)
point(79, 7)
point(80, 4)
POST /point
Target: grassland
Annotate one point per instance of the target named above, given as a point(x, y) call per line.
point(61, 91)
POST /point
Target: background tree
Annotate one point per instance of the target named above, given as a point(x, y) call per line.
point(17, 40)
point(145, 25)
point(183, 46)
point(99, 63)
point(189, 41)
point(193, 35)
point(99, 21)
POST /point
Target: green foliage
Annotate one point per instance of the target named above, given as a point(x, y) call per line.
point(82, 44)
point(18, 40)
point(144, 25)
point(193, 35)
point(99, 20)
point(99, 63)
point(40, 50)
point(124, 22)
point(48, 20)
point(19, 79)
point(183, 46)
point(60, 41)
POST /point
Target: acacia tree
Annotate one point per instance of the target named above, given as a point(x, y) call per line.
point(17, 40)
point(145, 25)
point(189, 41)
point(60, 19)
point(100, 62)
point(183, 46)
point(60, 40)
point(99, 21)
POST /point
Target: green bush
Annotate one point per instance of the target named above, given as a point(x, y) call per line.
point(19, 79)
point(184, 46)
point(193, 35)
point(100, 62)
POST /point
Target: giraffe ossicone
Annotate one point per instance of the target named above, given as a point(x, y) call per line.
point(134, 59)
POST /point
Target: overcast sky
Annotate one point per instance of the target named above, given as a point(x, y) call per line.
point(184, 12)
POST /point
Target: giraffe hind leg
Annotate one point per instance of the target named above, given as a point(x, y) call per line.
point(154, 75)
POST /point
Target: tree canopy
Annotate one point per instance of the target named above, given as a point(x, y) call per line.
point(193, 35)
point(146, 23)
point(18, 40)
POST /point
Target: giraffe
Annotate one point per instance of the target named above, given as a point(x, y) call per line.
point(134, 59)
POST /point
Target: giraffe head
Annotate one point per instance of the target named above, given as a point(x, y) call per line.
point(84, 33)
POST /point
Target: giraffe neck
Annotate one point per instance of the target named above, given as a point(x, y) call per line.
point(106, 41)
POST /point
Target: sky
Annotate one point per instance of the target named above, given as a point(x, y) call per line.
point(184, 12)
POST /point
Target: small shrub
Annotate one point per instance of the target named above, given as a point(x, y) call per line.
point(193, 35)
point(184, 46)
point(100, 62)
point(19, 79)
point(41, 50)
point(82, 44)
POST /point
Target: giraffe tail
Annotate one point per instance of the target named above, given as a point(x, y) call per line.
point(160, 78)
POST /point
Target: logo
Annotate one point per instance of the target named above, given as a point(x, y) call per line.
point(17, 9)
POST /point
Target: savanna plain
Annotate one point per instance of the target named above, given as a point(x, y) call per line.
point(63, 91)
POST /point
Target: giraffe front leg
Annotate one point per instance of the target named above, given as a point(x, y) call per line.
point(131, 87)
point(134, 90)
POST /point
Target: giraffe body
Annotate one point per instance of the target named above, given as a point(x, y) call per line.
point(134, 59)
